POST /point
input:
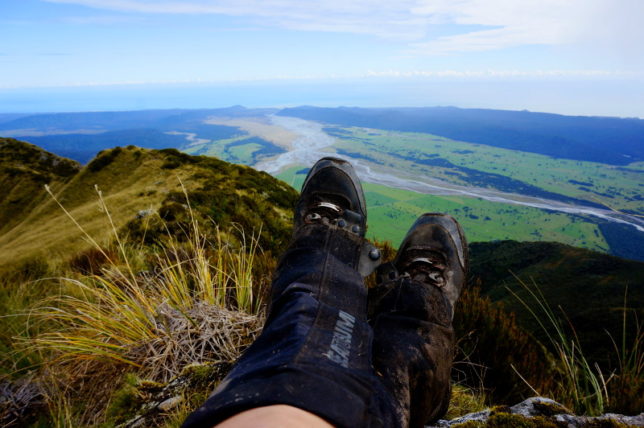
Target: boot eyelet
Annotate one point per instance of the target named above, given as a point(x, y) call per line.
point(342, 223)
point(312, 217)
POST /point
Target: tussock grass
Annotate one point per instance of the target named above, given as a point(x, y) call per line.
point(581, 384)
point(197, 305)
point(140, 309)
point(626, 389)
point(44, 230)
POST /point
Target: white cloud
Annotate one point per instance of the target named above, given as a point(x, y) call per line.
point(512, 22)
point(375, 17)
point(517, 23)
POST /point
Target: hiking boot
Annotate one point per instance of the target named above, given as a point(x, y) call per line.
point(328, 237)
point(411, 311)
point(332, 195)
point(434, 252)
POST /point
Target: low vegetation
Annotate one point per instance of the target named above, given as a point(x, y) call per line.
point(146, 312)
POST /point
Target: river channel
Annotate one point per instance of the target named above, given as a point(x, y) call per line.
point(313, 143)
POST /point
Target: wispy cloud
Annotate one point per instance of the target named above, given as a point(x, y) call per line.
point(517, 23)
point(375, 17)
point(512, 23)
point(103, 20)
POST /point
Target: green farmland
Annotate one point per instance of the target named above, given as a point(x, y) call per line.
point(392, 211)
point(485, 166)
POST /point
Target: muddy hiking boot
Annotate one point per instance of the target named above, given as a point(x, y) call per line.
point(314, 352)
point(411, 311)
point(332, 194)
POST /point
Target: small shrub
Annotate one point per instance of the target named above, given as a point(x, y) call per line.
point(464, 400)
point(31, 269)
point(90, 261)
point(103, 159)
point(171, 164)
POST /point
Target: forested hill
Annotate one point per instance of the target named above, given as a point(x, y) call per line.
point(598, 139)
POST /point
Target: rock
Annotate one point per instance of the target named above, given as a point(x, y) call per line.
point(481, 416)
point(539, 406)
point(145, 213)
point(538, 412)
point(170, 403)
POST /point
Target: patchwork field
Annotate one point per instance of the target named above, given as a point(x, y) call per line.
point(618, 187)
point(436, 160)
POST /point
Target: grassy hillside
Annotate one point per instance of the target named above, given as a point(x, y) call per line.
point(132, 181)
point(24, 170)
point(90, 335)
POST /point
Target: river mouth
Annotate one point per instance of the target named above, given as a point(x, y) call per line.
point(313, 143)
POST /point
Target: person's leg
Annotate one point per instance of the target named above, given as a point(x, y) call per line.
point(411, 310)
point(276, 416)
point(314, 353)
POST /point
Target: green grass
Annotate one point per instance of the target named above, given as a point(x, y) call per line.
point(582, 385)
point(190, 300)
point(134, 181)
point(213, 148)
point(244, 153)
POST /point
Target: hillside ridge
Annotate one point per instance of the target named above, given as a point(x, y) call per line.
point(131, 181)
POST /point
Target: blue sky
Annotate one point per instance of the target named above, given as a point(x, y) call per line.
point(565, 56)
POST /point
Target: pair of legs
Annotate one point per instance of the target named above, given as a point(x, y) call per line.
point(333, 353)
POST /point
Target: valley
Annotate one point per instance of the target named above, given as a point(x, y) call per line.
point(495, 191)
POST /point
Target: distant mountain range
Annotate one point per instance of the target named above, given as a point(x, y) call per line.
point(80, 136)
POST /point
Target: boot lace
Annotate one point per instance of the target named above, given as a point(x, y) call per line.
point(425, 266)
point(333, 210)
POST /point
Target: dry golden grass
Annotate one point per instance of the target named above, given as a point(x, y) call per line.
point(149, 313)
point(47, 232)
point(196, 306)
